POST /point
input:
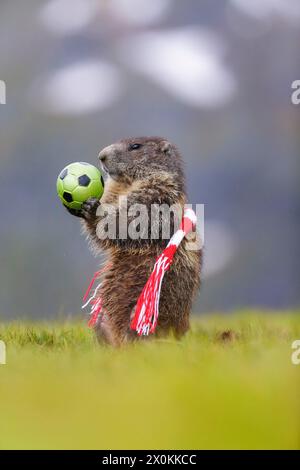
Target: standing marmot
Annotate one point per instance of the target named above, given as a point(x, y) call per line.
point(147, 170)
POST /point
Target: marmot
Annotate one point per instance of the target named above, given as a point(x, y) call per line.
point(147, 170)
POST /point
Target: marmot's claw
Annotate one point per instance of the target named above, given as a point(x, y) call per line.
point(89, 208)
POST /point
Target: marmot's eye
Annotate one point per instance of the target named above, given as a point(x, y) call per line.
point(134, 146)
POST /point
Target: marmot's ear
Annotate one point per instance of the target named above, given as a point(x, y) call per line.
point(165, 147)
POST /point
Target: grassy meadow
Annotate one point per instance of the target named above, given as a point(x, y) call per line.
point(228, 384)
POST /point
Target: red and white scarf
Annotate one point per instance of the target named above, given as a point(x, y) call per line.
point(146, 312)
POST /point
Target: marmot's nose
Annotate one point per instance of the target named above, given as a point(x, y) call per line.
point(105, 153)
point(102, 156)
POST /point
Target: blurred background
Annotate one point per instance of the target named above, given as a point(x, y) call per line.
point(213, 76)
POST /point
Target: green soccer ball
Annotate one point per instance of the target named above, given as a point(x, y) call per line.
point(77, 182)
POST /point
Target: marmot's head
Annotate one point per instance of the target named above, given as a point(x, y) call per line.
point(137, 158)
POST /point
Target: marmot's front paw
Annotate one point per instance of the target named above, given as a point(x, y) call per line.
point(89, 208)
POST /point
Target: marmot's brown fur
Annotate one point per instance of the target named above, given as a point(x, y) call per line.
point(148, 170)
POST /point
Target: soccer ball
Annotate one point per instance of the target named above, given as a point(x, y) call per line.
point(77, 182)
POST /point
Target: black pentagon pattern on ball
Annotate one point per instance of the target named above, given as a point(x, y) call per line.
point(63, 174)
point(68, 197)
point(84, 180)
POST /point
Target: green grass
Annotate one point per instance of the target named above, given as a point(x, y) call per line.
point(59, 389)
